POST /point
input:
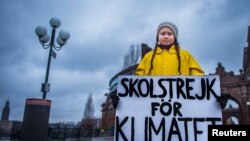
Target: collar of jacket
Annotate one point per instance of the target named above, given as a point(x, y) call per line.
point(171, 50)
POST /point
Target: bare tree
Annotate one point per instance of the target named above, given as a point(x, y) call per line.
point(132, 56)
point(89, 108)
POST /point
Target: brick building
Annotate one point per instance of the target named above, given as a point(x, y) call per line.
point(237, 87)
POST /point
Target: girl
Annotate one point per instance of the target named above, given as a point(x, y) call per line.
point(168, 58)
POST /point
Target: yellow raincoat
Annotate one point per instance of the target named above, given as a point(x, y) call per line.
point(166, 63)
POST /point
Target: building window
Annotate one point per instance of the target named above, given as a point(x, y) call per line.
point(232, 104)
point(232, 120)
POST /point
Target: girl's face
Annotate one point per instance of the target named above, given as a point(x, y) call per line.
point(166, 36)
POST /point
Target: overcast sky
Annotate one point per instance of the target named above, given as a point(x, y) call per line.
point(101, 33)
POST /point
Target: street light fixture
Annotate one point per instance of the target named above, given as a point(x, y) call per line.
point(44, 38)
point(37, 111)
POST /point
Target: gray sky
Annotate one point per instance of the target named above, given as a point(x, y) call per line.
point(101, 33)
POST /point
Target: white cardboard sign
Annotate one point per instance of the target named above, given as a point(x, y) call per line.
point(167, 108)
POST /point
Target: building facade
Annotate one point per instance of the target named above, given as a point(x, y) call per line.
point(237, 88)
point(5, 124)
point(6, 111)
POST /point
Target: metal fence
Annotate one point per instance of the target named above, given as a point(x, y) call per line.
point(63, 132)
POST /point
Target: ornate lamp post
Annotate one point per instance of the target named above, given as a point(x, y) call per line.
point(36, 114)
point(44, 38)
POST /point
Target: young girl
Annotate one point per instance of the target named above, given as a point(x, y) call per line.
point(168, 58)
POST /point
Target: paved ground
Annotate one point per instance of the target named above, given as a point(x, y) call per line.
point(101, 139)
point(89, 139)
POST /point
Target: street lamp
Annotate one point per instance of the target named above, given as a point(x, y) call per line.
point(44, 38)
point(37, 111)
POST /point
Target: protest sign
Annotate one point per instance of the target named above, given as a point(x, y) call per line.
point(167, 108)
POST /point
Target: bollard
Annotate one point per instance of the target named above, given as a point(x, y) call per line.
point(36, 120)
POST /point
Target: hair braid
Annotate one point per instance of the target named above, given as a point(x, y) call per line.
point(152, 58)
point(178, 55)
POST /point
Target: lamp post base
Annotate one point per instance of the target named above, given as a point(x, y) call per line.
point(36, 119)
